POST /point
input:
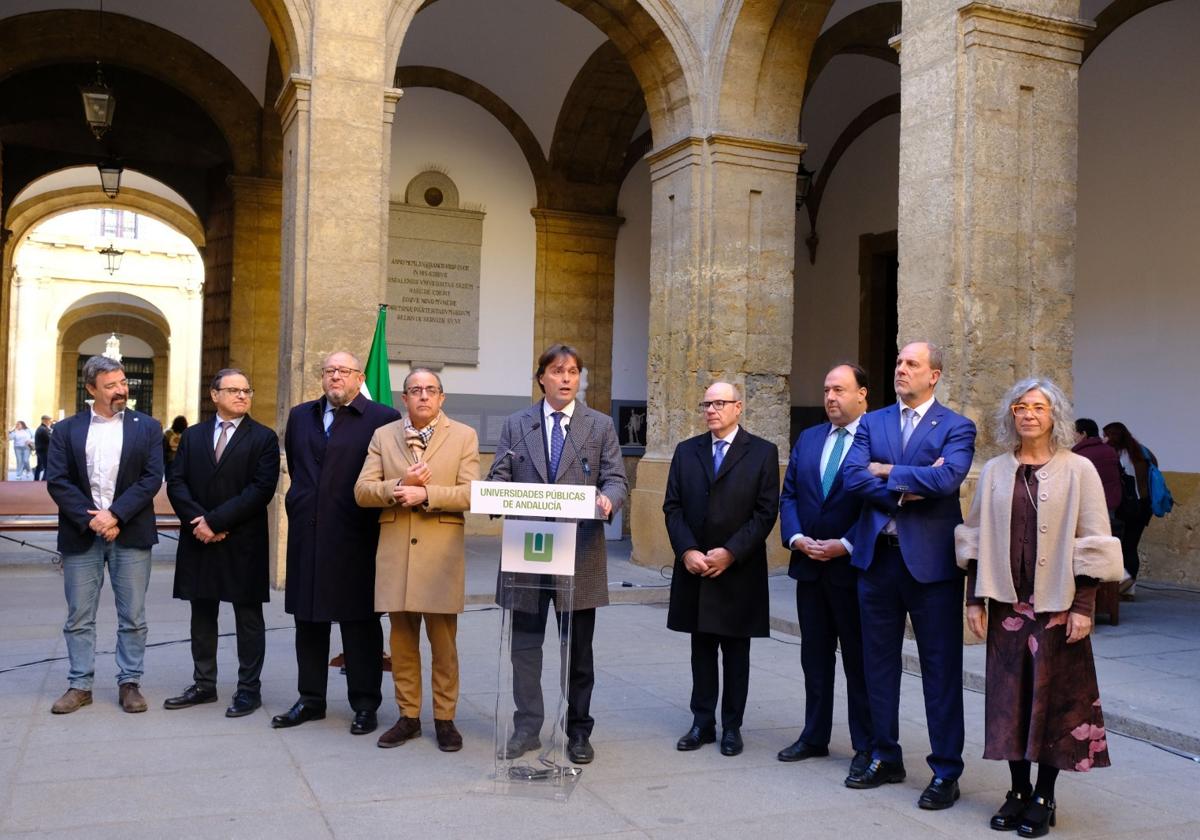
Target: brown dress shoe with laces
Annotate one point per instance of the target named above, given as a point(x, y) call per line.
point(405, 730)
point(72, 700)
point(448, 737)
point(132, 700)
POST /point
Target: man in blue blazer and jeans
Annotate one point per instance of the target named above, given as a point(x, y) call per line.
point(817, 518)
point(906, 464)
point(105, 467)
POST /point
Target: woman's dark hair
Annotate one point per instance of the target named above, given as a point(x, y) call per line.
point(1121, 440)
point(179, 424)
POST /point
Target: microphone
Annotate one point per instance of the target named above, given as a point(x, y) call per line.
point(583, 462)
point(511, 451)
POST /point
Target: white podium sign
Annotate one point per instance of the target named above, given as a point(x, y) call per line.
point(538, 548)
point(511, 498)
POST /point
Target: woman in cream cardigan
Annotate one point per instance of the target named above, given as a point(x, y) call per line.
point(1034, 545)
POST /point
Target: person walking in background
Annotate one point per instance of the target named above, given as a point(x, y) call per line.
point(171, 440)
point(41, 447)
point(1134, 510)
point(22, 441)
point(1035, 544)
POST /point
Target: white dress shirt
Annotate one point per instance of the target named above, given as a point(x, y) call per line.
point(712, 439)
point(105, 439)
point(548, 421)
point(217, 429)
point(826, 451)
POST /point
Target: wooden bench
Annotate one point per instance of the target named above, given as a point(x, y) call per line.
point(27, 506)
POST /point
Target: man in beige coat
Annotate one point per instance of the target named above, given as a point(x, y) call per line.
point(419, 470)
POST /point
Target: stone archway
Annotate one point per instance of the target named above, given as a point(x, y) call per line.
point(79, 325)
point(25, 216)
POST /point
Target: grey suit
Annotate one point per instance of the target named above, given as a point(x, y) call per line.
point(591, 455)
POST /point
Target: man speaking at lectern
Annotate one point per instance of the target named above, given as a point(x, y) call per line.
point(559, 440)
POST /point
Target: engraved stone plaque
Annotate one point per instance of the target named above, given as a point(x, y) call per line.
point(434, 252)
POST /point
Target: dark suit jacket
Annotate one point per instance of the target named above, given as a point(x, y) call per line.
point(331, 541)
point(804, 509)
point(233, 496)
point(41, 441)
point(591, 455)
point(926, 527)
point(139, 477)
point(735, 509)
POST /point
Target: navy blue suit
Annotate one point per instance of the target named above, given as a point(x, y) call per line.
point(826, 593)
point(139, 478)
point(913, 573)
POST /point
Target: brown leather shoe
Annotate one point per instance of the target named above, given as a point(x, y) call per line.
point(448, 737)
point(132, 700)
point(73, 699)
point(405, 730)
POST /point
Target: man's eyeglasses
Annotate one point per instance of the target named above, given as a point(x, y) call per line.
point(343, 372)
point(237, 392)
point(1036, 409)
point(716, 405)
point(417, 390)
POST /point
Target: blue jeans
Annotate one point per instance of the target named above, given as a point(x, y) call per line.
point(83, 578)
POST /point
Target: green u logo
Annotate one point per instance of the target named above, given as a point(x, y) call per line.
point(539, 548)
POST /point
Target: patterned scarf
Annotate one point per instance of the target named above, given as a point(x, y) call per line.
point(418, 439)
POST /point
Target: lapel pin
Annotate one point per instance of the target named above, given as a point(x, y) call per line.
point(932, 423)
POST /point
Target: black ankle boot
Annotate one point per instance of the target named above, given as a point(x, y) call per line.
point(1038, 817)
point(1010, 813)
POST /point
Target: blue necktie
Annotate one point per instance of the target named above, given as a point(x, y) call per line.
point(907, 429)
point(718, 455)
point(556, 444)
point(330, 414)
point(835, 461)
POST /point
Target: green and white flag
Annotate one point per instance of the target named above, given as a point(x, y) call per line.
point(378, 384)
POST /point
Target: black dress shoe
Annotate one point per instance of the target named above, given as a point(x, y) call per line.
point(939, 794)
point(518, 744)
point(191, 696)
point(695, 738)
point(731, 742)
point(579, 750)
point(243, 704)
point(860, 762)
point(1038, 817)
point(365, 721)
point(801, 750)
point(1010, 813)
point(878, 772)
point(298, 714)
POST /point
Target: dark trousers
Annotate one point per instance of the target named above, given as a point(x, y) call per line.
point(362, 644)
point(828, 614)
point(251, 644)
point(886, 592)
point(528, 634)
point(735, 661)
point(1131, 535)
point(40, 469)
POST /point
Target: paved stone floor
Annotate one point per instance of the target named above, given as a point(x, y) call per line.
point(194, 773)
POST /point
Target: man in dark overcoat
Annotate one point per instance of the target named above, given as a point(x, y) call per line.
point(721, 501)
point(222, 479)
point(331, 544)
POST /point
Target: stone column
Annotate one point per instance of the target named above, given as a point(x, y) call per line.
point(721, 265)
point(335, 157)
point(254, 292)
point(988, 152)
point(573, 294)
point(336, 151)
